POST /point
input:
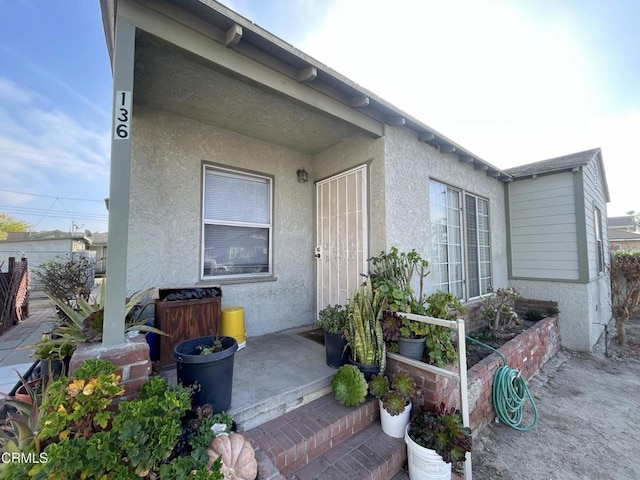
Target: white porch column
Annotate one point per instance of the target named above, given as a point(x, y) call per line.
point(123, 58)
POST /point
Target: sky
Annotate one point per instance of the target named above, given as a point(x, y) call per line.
point(513, 81)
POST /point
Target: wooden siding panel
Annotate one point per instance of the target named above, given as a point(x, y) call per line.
point(543, 228)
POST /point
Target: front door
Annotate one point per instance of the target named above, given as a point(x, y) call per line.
point(342, 241)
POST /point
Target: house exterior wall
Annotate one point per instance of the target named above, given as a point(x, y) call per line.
point(542, 218)
point(37, 252)
point(351, 153)
point(165, 216)
point(409, 164)
point(562, 267)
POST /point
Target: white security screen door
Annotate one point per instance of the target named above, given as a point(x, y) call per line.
point(342, 240)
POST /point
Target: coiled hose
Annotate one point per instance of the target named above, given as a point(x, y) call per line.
point(510, 392)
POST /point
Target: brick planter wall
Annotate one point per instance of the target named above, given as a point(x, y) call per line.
point(132, 358)
point(527, 353)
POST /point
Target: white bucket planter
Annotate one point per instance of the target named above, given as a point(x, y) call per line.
point(425, 464)
point(394, 425)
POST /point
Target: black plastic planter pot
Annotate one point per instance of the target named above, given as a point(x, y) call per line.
point(369, 370)
point(336, 349)
point(213, 372)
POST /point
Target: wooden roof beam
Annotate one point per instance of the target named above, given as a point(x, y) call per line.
point(233, 36)
point(395, 121)
point(358, 101)
point(308, 74)
point(480, 166)
point(447, 148)
point(465, 159)
point(425, 137)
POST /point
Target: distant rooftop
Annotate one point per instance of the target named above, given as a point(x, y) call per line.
point(623, 222)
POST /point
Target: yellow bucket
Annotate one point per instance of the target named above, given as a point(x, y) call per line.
point(233, 325)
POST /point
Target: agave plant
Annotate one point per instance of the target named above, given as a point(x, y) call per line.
point(85, 323)
point(394, 397)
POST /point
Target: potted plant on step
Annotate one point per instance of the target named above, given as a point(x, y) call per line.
point(207, 364)
point(436, 437)
point(364, 331)
point(349, 386)
point(394, 401)
point(333, 320)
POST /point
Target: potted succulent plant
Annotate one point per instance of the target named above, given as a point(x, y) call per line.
point(364, 330)
point(207, 362)
point(349, 386)
point(436, 437)
point(333, 320)
point(394, 400)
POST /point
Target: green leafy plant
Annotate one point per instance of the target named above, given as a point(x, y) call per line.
point(534, 315)
point(439, 346)
point(349, 386)
point(137, 441)
point(393, 275)
point(497, 309)
point(394, 397)
point(364, 329)
point(332, 319)
point(216, 346)
point(624, 272)
point(78, 407)
point(442, 430)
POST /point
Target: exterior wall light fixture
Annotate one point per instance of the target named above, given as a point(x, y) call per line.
point(303, 175)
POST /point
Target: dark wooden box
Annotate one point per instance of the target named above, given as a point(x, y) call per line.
point(185, 319)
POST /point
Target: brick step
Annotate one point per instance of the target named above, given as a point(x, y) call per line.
point(287, 443)
point(369, 454)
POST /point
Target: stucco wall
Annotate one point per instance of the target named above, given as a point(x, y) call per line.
point(352, 153)
point(165, 216)
point(577, 304)
point(408, 167)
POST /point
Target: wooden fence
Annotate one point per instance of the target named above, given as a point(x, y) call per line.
point(14, 293)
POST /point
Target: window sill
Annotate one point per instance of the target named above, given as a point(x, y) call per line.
point(236, 281)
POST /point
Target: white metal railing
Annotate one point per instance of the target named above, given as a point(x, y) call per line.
point(461, 375)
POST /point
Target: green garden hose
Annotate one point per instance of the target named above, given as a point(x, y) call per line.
point(510, 392)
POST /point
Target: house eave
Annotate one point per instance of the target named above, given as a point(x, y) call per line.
point(240, 34)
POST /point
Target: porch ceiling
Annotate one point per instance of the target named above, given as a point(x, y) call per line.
point(169, 78)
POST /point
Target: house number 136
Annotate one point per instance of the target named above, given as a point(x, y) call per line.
point(122, 115)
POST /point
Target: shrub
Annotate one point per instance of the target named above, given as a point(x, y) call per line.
point(534, 315)
point(332, 319)
point(625, 288)
point(67, 279)
point(497, 309)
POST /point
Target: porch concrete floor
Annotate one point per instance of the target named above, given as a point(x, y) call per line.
point(274, 374)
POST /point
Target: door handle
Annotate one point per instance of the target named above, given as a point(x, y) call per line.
point(318, 253)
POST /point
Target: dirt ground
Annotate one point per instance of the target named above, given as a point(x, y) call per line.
point(589, 407)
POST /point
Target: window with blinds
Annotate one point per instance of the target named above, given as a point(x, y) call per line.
point(460, 264)
point(236, 217)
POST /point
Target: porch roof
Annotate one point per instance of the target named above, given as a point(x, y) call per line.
point(256, 43)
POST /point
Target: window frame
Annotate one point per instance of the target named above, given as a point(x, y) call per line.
point(463, 214)
point(236, 172)
point(599, 243)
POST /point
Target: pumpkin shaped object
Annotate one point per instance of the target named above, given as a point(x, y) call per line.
point(238, 457)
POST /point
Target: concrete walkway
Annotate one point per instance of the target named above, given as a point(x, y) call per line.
point(13, 355)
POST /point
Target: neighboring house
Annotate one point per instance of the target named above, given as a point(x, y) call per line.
point(99, 245)
point(557, 245)
point(623, 233)
point(623, 240)
point(41, 247)
point(210, 156)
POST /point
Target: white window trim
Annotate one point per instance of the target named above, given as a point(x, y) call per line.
point(203, 221)
point(463, 214)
